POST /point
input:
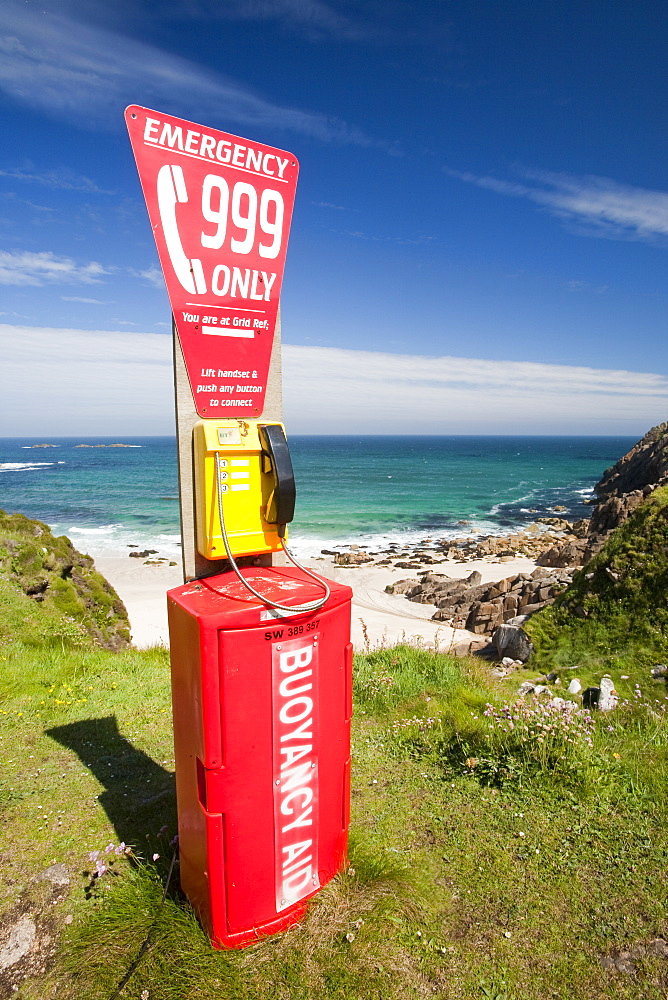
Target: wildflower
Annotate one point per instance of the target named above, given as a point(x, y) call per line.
point(120, 849)
point(359, 923)
point(94, 855)
point(617, 756)
point(507, 934)
point(155, 857)
point(351, 871)
point(471, 762)
point(100, 868)
point(350, 937)
point(520, 834)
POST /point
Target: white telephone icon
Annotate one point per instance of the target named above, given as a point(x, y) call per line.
point(171, 188)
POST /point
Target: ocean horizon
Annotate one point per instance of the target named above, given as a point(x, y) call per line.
point(369, 490)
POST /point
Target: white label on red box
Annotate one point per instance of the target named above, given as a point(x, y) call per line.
point(295, 770)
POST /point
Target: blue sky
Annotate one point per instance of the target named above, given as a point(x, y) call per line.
point(481, 182)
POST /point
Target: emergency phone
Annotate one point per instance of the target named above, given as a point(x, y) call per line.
point(262, 698)
point(246, 466)
point(260, 656)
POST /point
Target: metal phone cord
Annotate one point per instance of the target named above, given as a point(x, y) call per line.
point(310, 606)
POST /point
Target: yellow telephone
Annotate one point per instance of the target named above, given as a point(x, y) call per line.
point(245, 466)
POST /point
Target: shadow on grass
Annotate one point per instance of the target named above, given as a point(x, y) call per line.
point(139, 795)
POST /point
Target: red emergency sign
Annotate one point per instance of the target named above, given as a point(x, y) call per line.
point(262, 707)
point(220, 208)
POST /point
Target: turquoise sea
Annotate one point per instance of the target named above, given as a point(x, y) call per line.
point(368, 490)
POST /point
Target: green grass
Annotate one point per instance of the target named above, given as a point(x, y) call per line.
point(509, 879)
point(56, 575)
point(614, 616)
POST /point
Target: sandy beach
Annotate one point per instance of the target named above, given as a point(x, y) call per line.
point(378, 618)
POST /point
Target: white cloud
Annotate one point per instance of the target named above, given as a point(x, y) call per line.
point(75, 381)
point(327, 390)
point(310, 17)
point(81, 298)
point(87, 74)
point(57, 180)
point(65, 381)
point(328, 204)
point(617, 211)
point(22, 267)
point(153, 275)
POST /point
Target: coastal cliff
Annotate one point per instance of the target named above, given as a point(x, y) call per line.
point(51, 571)
point(615, 608)
point(622, 488)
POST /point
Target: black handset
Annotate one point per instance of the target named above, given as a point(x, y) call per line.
point(276, 460)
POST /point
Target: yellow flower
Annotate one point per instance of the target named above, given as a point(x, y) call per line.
point(617, 756)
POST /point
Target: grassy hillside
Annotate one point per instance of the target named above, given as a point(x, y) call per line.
point(614, 616)
point(497, 852)
point(52, 572)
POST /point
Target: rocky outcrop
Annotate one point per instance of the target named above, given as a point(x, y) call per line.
point(530, 542)
point(351, 558)
point(646, 464)
point(482, 607)
point(51, 570)
point(545, 533)
point(570, 553)
point(621, 489)
point(513, 642)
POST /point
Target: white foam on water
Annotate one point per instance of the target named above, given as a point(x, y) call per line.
point(118, 539)
point(23, 466)
point(306, 547)
point(105, 530)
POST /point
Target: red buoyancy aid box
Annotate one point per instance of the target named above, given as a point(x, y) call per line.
point(262, 701)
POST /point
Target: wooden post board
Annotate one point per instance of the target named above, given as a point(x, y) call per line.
point(195, 565)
